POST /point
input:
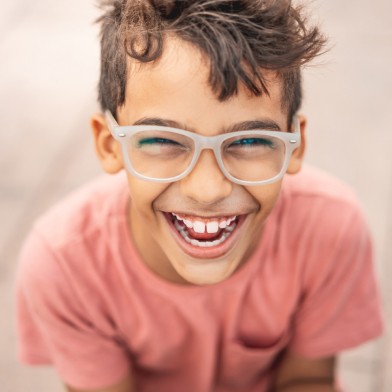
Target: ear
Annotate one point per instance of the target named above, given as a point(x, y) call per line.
point(297, 156)
point(107, 148)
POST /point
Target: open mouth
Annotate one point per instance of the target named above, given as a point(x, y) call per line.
point(202, 237)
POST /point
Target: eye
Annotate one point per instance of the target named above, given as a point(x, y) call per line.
point(157, 141)
point(253, 142)
point(164, 144)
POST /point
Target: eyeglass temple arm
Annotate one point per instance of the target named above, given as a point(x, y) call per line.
point(296, 123)
point(111, 120)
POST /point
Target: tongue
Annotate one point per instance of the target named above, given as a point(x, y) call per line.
point(204, 236)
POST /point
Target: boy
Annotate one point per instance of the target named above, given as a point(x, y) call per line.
point(205, 265)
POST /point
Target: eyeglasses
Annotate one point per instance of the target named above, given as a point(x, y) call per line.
point(165, 154)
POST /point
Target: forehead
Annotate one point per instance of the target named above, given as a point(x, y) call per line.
point(176, 87)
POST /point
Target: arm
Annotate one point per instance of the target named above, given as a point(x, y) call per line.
point(125, 385)
point(299, 374)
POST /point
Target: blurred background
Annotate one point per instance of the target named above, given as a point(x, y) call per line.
point(48, 74)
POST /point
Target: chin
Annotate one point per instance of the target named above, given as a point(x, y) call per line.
point(206, 273)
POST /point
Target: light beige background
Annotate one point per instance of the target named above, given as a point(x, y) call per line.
point(48, 76)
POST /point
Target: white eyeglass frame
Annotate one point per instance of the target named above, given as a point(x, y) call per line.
point(292, 141)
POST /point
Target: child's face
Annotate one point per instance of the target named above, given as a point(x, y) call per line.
point(176, 89)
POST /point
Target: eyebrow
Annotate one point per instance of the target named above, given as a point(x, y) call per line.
point(242, 126)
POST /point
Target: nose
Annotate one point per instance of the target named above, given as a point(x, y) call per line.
point(206, 184)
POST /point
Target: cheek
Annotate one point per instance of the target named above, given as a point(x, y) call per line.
point(143, 194)
point(266, 195)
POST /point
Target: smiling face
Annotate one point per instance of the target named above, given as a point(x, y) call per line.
point(202, 228)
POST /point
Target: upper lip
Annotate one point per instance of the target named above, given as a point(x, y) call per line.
point(215, 216)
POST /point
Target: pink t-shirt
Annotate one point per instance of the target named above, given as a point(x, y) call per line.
point(87, 304)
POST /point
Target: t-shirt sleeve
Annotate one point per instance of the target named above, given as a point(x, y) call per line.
point(54, 328)
point(340, 306)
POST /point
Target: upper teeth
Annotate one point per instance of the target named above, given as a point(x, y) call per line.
point(212, 226)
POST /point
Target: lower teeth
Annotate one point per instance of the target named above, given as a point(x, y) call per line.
point(205, 244)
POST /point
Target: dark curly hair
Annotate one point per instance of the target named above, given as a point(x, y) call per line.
point(239, 37)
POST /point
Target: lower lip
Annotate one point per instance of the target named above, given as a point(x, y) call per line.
point(212, 252)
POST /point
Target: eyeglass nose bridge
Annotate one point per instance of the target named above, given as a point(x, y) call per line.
point(210, 143)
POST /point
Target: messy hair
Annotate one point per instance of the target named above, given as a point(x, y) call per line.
point(239, 38)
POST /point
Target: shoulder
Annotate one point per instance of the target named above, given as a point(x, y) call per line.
point(85, 210)
point(323, 223)
point(74, 231)
point(319, 197)
point(320, 215)
point(314, 183)
point(70, 234)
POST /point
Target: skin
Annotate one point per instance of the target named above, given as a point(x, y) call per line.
point(176, 88)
